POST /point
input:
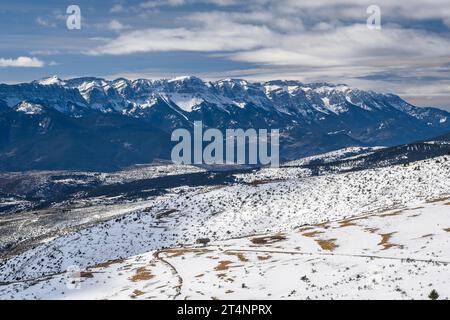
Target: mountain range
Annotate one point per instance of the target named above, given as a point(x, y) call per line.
point(95, 124)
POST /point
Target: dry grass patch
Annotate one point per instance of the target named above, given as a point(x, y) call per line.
point(142, 274)
point(172, 253)
point(269, 239)
point(311, 234)
point(324, 225)
point(391, 214)
point(438, 200)
point(86, 274)
point(385, 241)
point(347, 223)
point(109, 263)
point(239, 255)
point(137, 293)
point(328, 245)
point(303, 229)
point(223, 265)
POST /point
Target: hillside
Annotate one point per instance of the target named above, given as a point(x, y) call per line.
point(396, 254)
point(237, 210)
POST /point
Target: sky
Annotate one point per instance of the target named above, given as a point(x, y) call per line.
point(407, 53)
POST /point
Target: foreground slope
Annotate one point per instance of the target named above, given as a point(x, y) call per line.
point(395, 254)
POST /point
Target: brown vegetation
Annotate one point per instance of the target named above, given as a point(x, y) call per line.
point(223, 265)
point(142, 274)
point(328, 245)
point(268, 239)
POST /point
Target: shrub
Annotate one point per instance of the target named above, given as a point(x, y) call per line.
point(433, 295)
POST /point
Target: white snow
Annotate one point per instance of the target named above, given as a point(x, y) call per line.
point(181, 78)
point(54, 80)
point(340, 154)
point(186, 102)
point(29, 108)
point(238, 210)
point(397, 254)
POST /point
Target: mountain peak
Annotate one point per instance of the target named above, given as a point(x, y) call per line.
point(53, 80)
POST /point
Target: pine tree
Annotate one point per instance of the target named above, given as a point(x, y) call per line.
point(433, 295)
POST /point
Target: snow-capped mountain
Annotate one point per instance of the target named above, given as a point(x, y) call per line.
point(311, 102)
point(121, 114)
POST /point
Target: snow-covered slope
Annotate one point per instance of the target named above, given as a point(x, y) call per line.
point(53, 80)
point(342, 154)
point(396, 254)
point(234, 211)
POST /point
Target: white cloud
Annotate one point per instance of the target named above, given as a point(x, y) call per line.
point(418, 9)
point(152, 4)
point(159, 3)
point(281, 57)
point(356, 45)
point(116, 25)
point(255, 42)
point(22, 62)
point(224, 36)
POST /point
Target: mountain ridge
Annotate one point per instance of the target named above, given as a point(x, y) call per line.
point(120, 114)
point(88, 84)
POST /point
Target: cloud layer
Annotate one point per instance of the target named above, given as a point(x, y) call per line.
point(21, 62)
point(276, 33)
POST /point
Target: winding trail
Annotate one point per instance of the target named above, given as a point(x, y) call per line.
point(157, 255)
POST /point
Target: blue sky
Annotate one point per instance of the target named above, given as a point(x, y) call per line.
point(308, 40)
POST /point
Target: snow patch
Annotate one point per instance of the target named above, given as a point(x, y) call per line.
point(29, 108)
point(54, 80)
